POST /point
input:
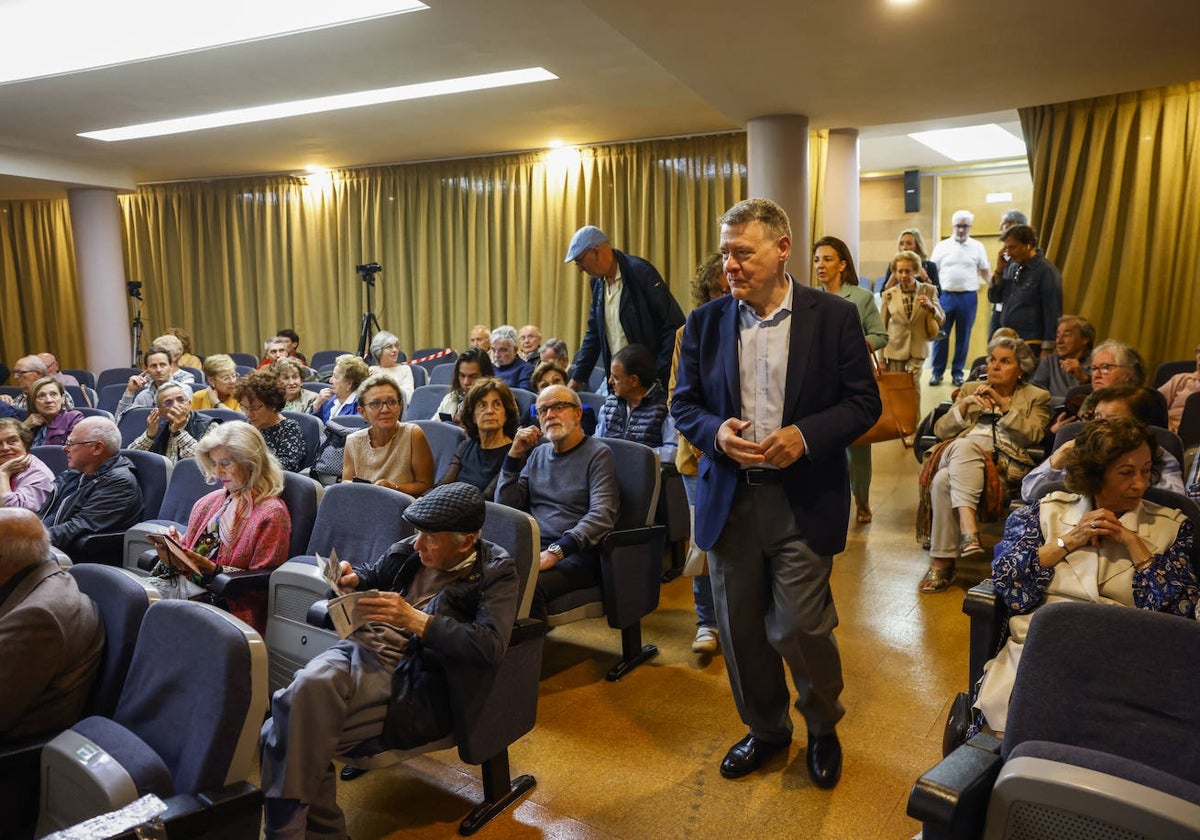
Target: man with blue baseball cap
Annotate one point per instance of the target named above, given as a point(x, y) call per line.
point(630, 305)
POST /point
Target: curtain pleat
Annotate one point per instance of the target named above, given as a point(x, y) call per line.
point(37, 280)
point(1116, 184)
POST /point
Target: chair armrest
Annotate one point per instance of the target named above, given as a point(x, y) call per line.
point(989, 618)
point(951, 799)
point(238, 584)
point(101, 548)
point(318, 615)
point(527, 629)
point(147, 559)
point(631, 573)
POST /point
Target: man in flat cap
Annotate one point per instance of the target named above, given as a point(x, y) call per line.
point(630, 305)
point(444, 592)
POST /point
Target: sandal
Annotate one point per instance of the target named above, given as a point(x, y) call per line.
point(937, 579)
point(863, 516)
point(970, 548)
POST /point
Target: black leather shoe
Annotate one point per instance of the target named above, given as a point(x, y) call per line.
point(747, 755)
point(935, 380)
point(824, 758)
point(957, 380)
point(349, 773)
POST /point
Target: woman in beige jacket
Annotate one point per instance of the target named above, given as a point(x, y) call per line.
point(911, 315)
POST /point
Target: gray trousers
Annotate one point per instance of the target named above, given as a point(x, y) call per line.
point(308, 727)
point(774, 606)
point(957, 483)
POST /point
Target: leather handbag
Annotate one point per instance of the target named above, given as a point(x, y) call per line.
point(901, 406)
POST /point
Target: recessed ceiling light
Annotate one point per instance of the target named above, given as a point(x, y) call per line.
point(299, 107)
point(975, 142)
point(554, 144)
point(87, 35)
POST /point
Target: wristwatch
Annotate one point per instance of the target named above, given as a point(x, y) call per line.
point(556, 550)
point(1063, 545)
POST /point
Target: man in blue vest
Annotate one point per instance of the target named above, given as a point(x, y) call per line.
point(636, 408)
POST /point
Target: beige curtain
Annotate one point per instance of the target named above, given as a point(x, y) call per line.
point(460, 242)
point(818, 154)
point(37, 281)
point(1116, 198)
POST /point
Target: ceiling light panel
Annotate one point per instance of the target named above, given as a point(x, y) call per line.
point(975, 142)
point(87, 34)
point(339, 102)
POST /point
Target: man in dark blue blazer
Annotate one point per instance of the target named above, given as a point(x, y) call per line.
point(647, 312)
point(774, 382)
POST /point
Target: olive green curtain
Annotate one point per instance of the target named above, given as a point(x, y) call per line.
point(37, 281)
point(460, 242)
point(1116, 198)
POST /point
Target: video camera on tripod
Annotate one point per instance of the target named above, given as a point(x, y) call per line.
point(366, 273)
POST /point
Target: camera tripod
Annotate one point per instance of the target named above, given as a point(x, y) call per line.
point(136, 327)
point(370, 324)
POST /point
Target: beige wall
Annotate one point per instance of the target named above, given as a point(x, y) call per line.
point(883, 217)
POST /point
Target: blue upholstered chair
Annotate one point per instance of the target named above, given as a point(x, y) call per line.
point(444, 439)
point(361, 521)
point(163, 739)
point(630, 560)
point(424, 402)
point(1098, 739)
point(442, 374)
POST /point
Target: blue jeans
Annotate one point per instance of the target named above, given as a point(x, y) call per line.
point(960, 308)
point(702, 594)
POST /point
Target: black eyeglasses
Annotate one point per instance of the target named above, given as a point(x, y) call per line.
point(544, 410)
point(379, 405)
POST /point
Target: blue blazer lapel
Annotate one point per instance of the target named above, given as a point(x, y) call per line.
point(803, 334)
point(729, 333)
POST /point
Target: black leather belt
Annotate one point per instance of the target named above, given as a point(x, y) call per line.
point(757, 476)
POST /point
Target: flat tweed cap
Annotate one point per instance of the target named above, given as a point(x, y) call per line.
point(450, 507)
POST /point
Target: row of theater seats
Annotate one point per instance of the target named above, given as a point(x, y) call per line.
point(361, 521)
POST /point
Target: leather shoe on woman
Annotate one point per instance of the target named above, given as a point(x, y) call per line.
point(824, 758)
point(747, 755)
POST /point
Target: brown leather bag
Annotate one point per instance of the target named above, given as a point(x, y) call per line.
point(901, 408)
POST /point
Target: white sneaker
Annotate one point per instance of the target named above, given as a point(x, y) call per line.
point(706, 640)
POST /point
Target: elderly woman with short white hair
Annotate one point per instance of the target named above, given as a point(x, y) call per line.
point(385, 347)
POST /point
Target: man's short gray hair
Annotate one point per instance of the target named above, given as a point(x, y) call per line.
point(770, 215)
point(504, 332)
point(1014, 217)
point(33, 363)
point(103, 430)
point(274, 340)
point(962, 216)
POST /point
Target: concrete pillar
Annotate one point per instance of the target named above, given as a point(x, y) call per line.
point(777, 168)
point(96, 230)
point(841, 188)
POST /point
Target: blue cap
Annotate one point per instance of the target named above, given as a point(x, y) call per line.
point(587, 237)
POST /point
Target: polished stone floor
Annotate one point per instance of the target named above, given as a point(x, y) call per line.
point(638, 758)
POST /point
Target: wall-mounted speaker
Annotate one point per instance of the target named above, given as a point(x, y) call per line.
point(912, 191)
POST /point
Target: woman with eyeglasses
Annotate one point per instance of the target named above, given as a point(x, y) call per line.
point(385, 347)
point(221, 372)
point(25, 481)
point(388, 452)
point(262, 398)
point(490, 418)
point(49, 418)
point(1113, 363)
point(243, 524)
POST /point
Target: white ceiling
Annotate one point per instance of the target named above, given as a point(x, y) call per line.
point(628, 69)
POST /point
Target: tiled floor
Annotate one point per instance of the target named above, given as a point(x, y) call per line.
point(638, 759)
